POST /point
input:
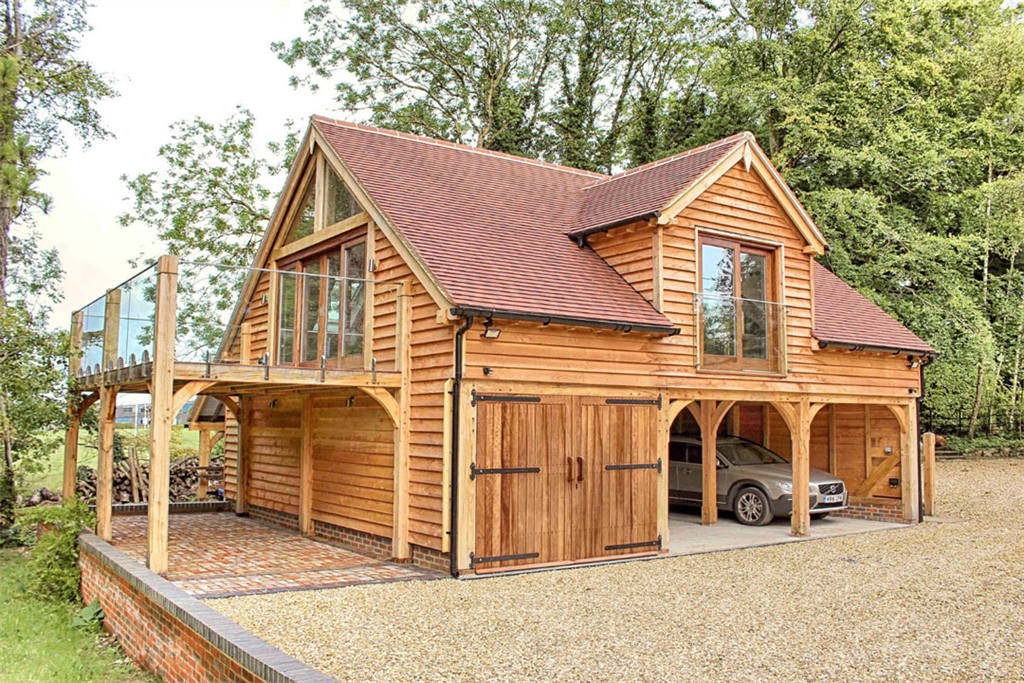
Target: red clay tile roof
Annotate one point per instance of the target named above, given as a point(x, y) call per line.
point(842, 315)
point(490, 227)
point(644, 190)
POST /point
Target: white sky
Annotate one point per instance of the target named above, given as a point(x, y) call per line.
point(169, 60)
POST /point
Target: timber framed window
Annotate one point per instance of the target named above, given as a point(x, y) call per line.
point(740, 320)
point(322, 298)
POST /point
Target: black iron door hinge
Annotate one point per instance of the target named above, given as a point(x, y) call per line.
point(474, 470)
point(631, 546)
point(639, 466)
point(474, 560)
point(634, 401)
point(502, 398)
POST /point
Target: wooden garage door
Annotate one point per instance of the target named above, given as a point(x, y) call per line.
point(560, 479)
point(521, 472)
point(615, 506)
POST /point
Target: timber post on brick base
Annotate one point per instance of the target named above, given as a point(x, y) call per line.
point(928, 472)
point(163, 413)
point(403, 363)
point(108, 404)
point(74, 417)
point(205, 447)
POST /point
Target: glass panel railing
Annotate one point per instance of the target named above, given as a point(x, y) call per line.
point(744, 335)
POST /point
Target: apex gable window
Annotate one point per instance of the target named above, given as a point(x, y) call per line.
point(321, 293)
point(740, 318)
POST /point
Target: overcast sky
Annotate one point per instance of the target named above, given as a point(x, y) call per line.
point(169, 60)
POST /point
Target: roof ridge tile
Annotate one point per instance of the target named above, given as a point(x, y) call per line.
point(457, 145)
point(731, 140)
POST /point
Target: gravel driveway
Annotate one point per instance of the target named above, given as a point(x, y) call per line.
point(940, 601)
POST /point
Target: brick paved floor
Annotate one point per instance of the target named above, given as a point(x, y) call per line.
point(216, 555)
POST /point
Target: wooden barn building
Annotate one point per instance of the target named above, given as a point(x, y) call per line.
point(475, 361)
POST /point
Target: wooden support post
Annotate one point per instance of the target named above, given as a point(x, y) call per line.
point(164, 326)
point(800, 431)
point(661, 450)
point(400, 549)
point(245, 344)
point(832, 463)
point(243, 416)
point(446, 470)
point(205, 447)
point(909, 472)
point(928, 471)
point(709, 462)
point(71, 430)
point(368, 296)
point(306, 469)
point(466, 538)
point(108, 403)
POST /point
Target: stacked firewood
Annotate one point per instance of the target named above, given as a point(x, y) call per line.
point(131, 480)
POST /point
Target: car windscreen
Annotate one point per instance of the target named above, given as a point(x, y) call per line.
point(741, 453)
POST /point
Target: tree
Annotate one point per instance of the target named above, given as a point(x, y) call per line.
point(45, 91)
point(554, 79)
point(209, 204)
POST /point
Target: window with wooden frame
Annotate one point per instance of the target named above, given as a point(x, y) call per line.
point(740, 318)
point(321, 305)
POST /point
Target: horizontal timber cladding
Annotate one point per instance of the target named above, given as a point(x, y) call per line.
point(274, 442)
point(230, 455)
point(353, 463)
point(738, 204)
point(630, 252)
point(561, 479)
point(257, 314)
point(432, 365)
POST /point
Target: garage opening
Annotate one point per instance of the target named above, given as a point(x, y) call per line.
point(754, 476)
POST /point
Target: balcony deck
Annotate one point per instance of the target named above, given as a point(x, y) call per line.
point(234, 378)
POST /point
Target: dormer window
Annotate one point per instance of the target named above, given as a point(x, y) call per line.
point(740, 318)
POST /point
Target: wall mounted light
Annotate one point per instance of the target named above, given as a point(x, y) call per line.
point(490, 332)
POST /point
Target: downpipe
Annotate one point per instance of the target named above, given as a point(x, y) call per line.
point(453, 520)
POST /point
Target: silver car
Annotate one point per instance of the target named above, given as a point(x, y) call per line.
point(756, 484)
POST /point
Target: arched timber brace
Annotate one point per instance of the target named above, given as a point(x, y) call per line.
point(665, 419)
point(798, 416)
point(709, 414)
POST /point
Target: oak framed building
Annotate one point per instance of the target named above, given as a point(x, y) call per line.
point(474, 360)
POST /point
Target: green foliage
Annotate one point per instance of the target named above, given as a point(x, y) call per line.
point(990, 441)
point(209, 203)
point(90, 616)
point(54, 566)
point(551, 79)
point(38, 643)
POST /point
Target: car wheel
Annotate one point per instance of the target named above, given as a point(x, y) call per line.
point(751, 507)
point(821, 515)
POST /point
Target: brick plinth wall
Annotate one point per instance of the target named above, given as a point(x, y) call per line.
point(285, 519)
point(172, 634)
point(378, 547)
point(874, 510)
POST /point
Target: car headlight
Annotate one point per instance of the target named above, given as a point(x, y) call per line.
point(786, 486)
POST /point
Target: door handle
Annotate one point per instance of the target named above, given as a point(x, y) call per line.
point(579, 475)
point(568, 461)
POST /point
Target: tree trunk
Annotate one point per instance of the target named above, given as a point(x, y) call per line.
point(972, 425)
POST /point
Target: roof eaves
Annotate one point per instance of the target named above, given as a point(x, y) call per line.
point(825, 342)
point(545, 319)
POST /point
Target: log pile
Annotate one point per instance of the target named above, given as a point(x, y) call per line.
point(131, 480)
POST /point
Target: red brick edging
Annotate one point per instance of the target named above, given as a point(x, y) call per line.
point(173, 634)
point(873, 510)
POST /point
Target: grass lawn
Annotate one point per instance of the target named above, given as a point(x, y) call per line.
point(38, 643)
